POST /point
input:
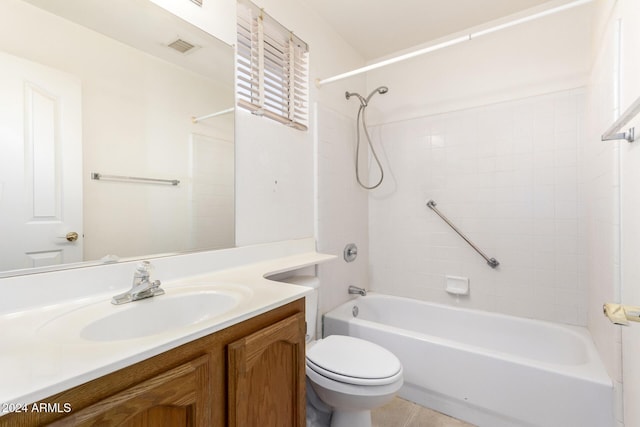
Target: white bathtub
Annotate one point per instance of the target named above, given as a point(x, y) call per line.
point(487, 369)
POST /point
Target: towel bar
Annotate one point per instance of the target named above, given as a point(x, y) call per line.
point(99, 176)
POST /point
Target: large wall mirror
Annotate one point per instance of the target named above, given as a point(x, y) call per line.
point(116, 134)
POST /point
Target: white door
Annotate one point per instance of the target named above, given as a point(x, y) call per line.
point(40, 165)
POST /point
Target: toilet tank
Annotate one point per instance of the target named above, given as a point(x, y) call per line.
point(311, 301)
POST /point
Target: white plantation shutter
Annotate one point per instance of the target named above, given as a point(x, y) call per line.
point(271, 68)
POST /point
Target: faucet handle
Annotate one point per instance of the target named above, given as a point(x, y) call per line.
point(144, 267)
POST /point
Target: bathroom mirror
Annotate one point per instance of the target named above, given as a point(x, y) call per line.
point(116, 134)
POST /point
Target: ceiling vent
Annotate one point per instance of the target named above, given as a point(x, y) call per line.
point(181, 46)
point(198, 2)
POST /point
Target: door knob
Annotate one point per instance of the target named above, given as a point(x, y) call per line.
point(71, 236)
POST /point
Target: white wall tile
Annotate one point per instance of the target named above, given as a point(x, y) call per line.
point(341, 210)
point(510, 195)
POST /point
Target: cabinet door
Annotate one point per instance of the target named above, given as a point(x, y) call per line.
point(178, 397)
point(267, 376)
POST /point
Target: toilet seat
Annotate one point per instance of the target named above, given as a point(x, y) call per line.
point(354, 361)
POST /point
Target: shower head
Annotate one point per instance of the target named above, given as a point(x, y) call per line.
point(361, 122)
point(364, 102)
point(381, 90)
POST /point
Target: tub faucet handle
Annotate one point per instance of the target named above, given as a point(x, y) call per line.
point(350, 252)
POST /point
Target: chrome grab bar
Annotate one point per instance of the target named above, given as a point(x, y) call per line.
point(493, 263)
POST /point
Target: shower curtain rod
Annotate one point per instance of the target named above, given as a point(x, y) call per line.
point(451, 42)
point(209, 116)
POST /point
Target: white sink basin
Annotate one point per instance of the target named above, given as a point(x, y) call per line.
point(158, 314)
point(178, 308)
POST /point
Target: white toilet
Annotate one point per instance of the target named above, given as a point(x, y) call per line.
point(350, 375)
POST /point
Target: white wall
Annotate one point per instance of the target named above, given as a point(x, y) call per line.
point(543, 56)
point(489, 129)
point(342, 208)
point(212, 198)
point(629, 11)
point(506, 175)
point(274, 190)
point(613, 205)
point(600, 189)
point(291, 183)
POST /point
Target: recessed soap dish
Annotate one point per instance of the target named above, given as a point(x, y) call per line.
point(457, 285)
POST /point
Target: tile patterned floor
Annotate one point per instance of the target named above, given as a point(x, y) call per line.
point(402, 413)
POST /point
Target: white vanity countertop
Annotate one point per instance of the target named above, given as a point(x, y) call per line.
point(39, 360)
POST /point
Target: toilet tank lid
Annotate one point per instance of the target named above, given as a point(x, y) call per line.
point(308, 281)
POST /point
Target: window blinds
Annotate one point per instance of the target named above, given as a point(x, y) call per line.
point(271, 68)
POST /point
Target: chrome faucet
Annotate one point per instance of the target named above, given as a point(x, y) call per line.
point(141, 288)
point(357, 291)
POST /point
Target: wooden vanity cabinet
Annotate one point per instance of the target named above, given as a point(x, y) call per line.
point(266, 376)
point(178, 397)
point(249, 374)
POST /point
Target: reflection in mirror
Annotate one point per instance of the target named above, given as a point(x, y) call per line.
point(119, 88)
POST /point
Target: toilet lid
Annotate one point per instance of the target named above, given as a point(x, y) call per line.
point(353, 360)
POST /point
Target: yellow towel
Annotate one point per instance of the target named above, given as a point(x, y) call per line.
point(620, 314)
point(615, 313)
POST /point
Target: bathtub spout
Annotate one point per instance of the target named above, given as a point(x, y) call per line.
point(357, 291)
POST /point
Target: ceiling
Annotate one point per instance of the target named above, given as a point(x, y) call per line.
point(376, 28)
point(121, 20)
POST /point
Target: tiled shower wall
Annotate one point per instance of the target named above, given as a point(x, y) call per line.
point(341, 209)
point(507, 176)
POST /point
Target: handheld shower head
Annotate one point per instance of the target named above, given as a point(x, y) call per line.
point(365, 101)
point(381, 90)
point(361, 122)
